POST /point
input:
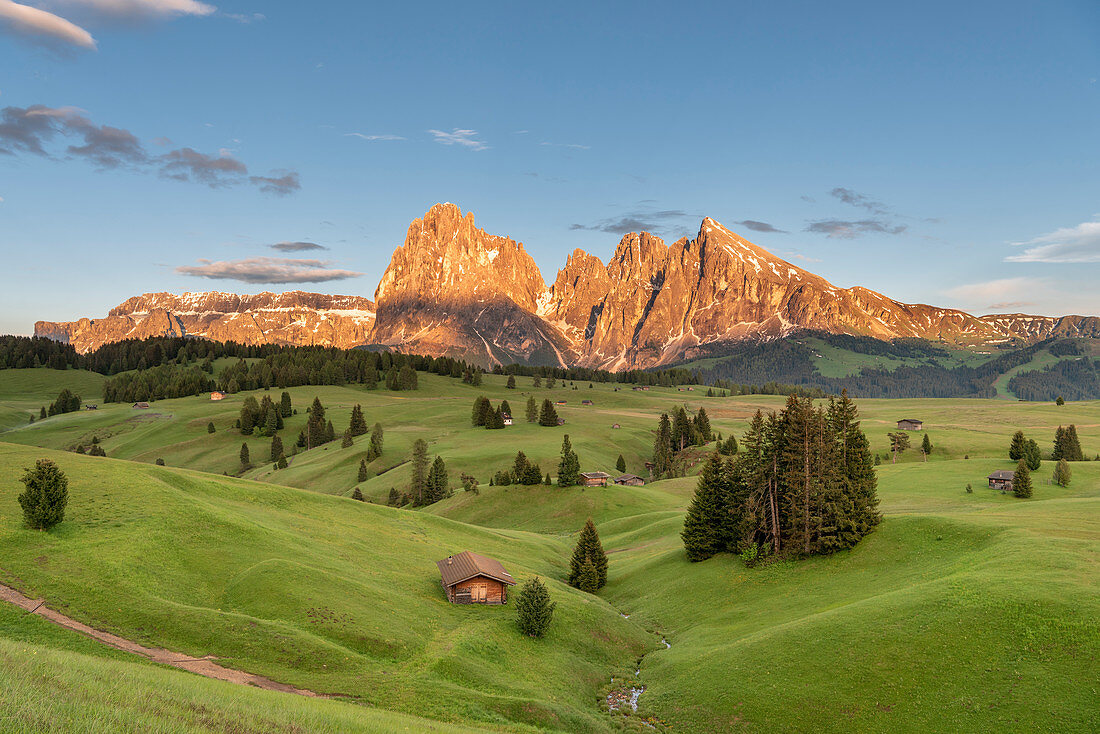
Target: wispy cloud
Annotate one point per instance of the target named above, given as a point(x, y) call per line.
point(642, 219)
point(373, 138)
point(1080, 244)
point(574, 146)
point(990, 295)
point(268, 270)
point(465, 138)
point(133, 9)
point(756, 226)
point(856, 199)
point(848, 229)
point(246, 18)
point(41, 26)
point(33, 129)
point(296, 246)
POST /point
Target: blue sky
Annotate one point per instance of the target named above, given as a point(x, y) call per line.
point(945, 153)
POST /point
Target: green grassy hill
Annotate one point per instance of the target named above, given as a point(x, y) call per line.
point(975, 610)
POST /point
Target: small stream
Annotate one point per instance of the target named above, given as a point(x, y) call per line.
point(620, 698)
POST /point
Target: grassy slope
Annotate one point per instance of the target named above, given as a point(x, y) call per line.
point(24, 392)
point(975, 608)
point(833, 361)
point(324, 593)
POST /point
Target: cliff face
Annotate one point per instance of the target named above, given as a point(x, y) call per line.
point(453, 289)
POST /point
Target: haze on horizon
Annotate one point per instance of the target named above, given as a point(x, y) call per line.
point(939, 154)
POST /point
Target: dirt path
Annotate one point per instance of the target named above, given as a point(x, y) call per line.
point(202, 666)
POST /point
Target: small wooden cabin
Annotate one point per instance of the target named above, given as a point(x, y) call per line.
point(910, 424)
point(217, 395)
point(586, 402)
point(594, 478)
point(1002, 480)
point(142, 405)
point(615, 425)
point(468, 578)
point(629, 480)
point(507, 418)
point(561, 402)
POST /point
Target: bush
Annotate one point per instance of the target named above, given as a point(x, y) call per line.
point(210, 427)
point(160, 462)
point(534, 610)
point(46, 494)
point(750, 554)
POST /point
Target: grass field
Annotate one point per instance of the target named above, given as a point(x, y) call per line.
point(964, 611)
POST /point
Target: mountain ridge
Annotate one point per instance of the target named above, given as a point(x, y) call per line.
point(452, 288)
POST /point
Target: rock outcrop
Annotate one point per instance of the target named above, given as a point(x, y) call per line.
point(453, 289)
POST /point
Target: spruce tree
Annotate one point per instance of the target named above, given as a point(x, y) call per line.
point(45, 495)
point(706, 519)
point(330, 432)
point(245, 461)
point(376, 442)
point(620, 464)
point(587, 580)
point(482, 411)
point(1017, 447)
point(477, 378)
point(532, 410)
point(362, 475)
point(546, 480)
point(1073, 445)
point(536, 382)
point(505, 408)
point(589, 549)
point(276, 448)
point(418, 480)
point(496, 420)
point(1062, 473)
point(1032, 455)
point(357, 494)
point(569, 466)
point(285, 407)
point(281, 463)
point(926, 445)
point(347, 442)
point(210, 427)
point(439, 486)
point(662, 448)
point(1060, 401)
point(358, 424)
point(548, 416)
point(520, 464)
point(1021, 480)
point(394, 498)
point(702, 425)
point(534, 610)
point(42, 412)
point(407, 379)
point(511, 382)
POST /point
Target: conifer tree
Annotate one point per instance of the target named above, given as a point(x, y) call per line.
point(705, 523)
point(358, 424)
point(246, 420)
point(926, 445)
point(496, 419)
point(407, 378)
point(1032, 455)
point(534, 610)
point(476, 382)
point(1062, 473)
point(899, 443)
point(702, 425)
point(418, 483)
point(586, 580)
point(210, 427)
point(1073, 450)
point(482, 411)
point(376, 442)
point(511, 382)
point(42, 413)
point(548, 416)
point(45, 495)
point(532, 410)
point(363, 475)
point(546, 480)
point(505, 407)
point(246, 462)
point(1017, 447)
point(620, 464)
point(569, 466)
point(1060, 401)
point(394, 498)
point(536, 382)
point(519, 466)
point(276, 448)
point(589, 549)
point(347, 441)
point(281, 463)
point(439, 486)
point(357, 494)
point(285, 407)
point(1021, 480)
point(662, 448)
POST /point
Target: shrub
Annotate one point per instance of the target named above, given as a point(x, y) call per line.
point(46, 495)
point(160, 462)
point(210, 427)
point(534, 610)
point(750, 554)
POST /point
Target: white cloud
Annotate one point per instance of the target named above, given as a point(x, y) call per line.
point(268, 270)
point(997, 295)
point(464, 138)
point(1080, 244)
point(23, 20)
point(138, 8)
point(373, 137)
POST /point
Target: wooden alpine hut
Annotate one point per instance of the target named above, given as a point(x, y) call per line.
point(468, 578)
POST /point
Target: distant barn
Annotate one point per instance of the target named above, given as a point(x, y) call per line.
point(507, 418)
point(1002, 480)
point(216, 395)
point(629, 480)
point(142, 404)
point(468, 578)
point(561, 402)
point(910, 424)
point(615, 425)
point(594, 478)
point(586, 402)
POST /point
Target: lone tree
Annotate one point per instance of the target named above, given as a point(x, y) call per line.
point(1021, 480)
point(926, 446)
point(210, 427)
point(246, 462)
point(511, 382)
point(588, 550)
point(358, 424)
point(46, 494)
point(1060, 401)
point(569, 467)
point(1062, 473)
point(620, 465)
point(363, 475)
point(534, 610)
point(548, 416)
point(532, 410)
point(358, 495)
point(376, 442)
point(899, 442)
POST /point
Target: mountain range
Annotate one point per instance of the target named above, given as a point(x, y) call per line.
point(453, 289)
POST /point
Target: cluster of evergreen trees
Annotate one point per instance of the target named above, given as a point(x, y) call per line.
point(318, 430)
point(1067, 445)
point(803, 483)
point(675, 435)
point(428, 482)
point(548, 415)
point(1071, 379)
point(264, 417)
point(67, 402)
point(1026, 450)
point(659, 378)
point(157, 383)
point(523, 471)
point(486, 416)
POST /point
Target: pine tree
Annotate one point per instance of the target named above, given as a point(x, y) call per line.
point(1060, 401)
point(1062, 473)
point(276, 448)
point(532, 410)
point(620, 465)
point(586, 580)
point(42, 413)
point(926, 446)
point(546, 480)
point(407, 379)
point(347, 442)
point(285, 407)
point(511, 382)
point(1032, 455)
point(496, 420)
point(702, 426)
point(706, 519)
point(376, 442)
point(394, 498)
point(45, 495)
point(505, 408)
point(570, 466)
point(1016, 449)
point(477, 378)
point(520, 464)
point(662, 448)
point(245, 461)
point(357, 494)
point(439, 486)
point(358, 424)
point(246, 419)
point(418, 483)
point(537, 382)
point(1073, 445)
point(1021, 480)
point(899, 443)
point(210, 427)
point(534, 610)
point(588, 549)
point(548, 416)
point(281, 463)
point(482, 411)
